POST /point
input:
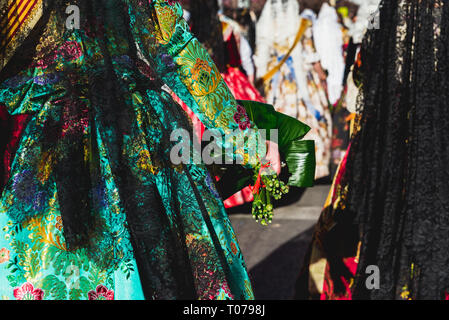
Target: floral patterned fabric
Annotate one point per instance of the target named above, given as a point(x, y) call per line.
point(93, 208)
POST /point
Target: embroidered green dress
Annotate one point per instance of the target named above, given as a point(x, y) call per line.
point(92, 206)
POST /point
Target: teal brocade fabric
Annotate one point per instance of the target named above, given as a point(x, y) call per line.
point(93, 208)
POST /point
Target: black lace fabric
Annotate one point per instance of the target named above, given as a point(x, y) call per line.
point(398, 167)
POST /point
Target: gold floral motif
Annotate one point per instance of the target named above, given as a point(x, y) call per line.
point(167, 21)
point(45, 167)
point(223, 120)
point(144, 163)
point(190, 238)
point(44, 234)
point(202, 78)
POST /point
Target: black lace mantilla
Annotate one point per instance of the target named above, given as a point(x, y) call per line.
point(398, 167)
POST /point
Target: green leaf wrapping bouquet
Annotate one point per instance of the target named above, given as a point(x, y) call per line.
point(298, 154)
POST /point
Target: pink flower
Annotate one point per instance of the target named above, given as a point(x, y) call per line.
point(27, 292)
point(242, 119)
point(71, 50)
point(101, 293)
point(241, 109)
point(4, 255)
point(46, 61)
point(244, 125)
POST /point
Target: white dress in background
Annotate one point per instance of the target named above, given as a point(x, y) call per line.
point(296, 89)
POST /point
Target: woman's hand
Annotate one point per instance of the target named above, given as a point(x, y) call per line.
point(273, 156)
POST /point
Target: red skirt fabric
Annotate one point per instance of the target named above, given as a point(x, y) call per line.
point(240, 86)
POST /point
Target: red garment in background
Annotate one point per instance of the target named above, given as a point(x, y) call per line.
point(328, 285)
point(240, 86)
point(233, 58)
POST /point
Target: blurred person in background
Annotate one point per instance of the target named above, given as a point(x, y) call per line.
point(383, 231)
point(288, 65)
